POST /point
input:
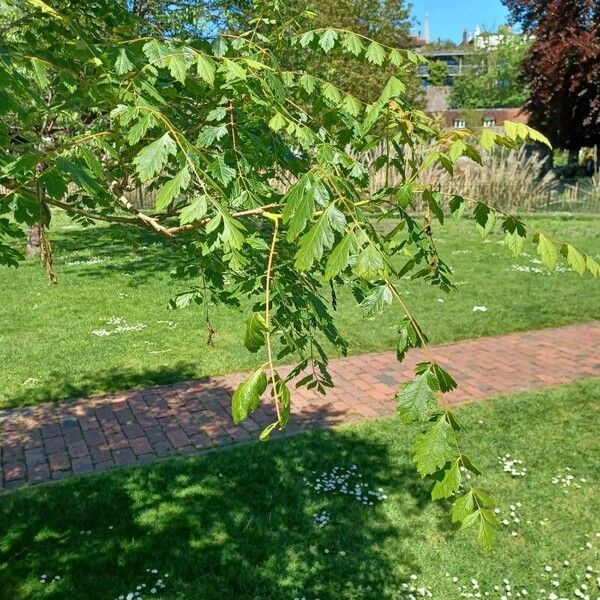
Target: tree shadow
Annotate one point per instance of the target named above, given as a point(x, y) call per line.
point(61, 385)
point(122, 249)
point(236, 523)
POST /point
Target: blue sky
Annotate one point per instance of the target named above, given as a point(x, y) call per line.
point(448, 18)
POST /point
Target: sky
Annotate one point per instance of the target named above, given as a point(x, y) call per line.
point(448, 18)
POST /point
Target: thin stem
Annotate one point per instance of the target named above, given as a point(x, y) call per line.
point(268, 313)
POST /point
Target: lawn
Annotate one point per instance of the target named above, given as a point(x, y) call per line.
point(112, 278)
point(240, 523)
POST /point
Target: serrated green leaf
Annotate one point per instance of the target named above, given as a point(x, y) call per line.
point(123, 64)
point(405, 194)
point(308, 82)
point(327, 39)
point(546, 251)
point(331, 93)
point(256, 327)
point(221, 171)
point(194, 211)
point(448, 483)
point(306, 38)
point(408, 337)
point(339, 257)
point(247, 396)
point(434, 448)
point(151, 159)
point(485, 218)
point(205, 68)
point(369, 263)
point(233, 70)
point(485, 535)
point(299, 206)
point(141, 128)
point(40, 73)
point(375, 53)
point(210, 134)
point(592, 266)
point(395, 58)
point(352, 43)
point(462, 507)
point(488, 138)
point(352, 106)
point(444, 381)
point(457, 206)
point(172, 188)
point(375, 301)
point(433, 200)
point(277, 122)
point(313, 243)
point(416, 399)
point(574, 258)
point(233, 232)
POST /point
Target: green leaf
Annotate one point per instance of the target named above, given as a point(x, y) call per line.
point(40, 73)
point(221, 171)
point(485, 536)
point(233, 70)
point(247, 396)
point(546, 251)
point(123, 64)
point(277, 122)
point(313, 243)
point(485, 218)
point(448, 483)
point(457, 206)
point(352, 43)
point(444, 380)
point(416, 399)
point(393, 88)
point(433, 201)
point(205, 68)
point(463, 507)
point(375, 53)
point(141, 128)
point(352, 105)
point(306, 38)
point(488, 138)
point(254, 339)
point(574, 258)
point(405, 194)
point(375, 301)
point(434, 448)
point(395, 58)
point(339, 258)
point(265, 434)
point(152, 158)
point(233, 231)
point(369, 263)
point(194, 211)
point(592, 266)
point(172, 188)
point(308, 82)
point(210, 134)
point(408, 337)
point(331, 93)
point(327, 39)
point(299, 206)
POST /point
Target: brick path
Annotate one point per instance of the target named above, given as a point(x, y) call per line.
point(52, 441)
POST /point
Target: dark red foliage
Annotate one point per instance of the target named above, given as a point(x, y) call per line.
point(562, 68)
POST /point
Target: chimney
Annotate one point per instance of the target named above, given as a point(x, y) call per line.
point(426, 31)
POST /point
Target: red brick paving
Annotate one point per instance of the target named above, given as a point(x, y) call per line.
point(52, 441)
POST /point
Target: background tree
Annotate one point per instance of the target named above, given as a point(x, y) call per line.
point(562, 68)
point(438, 72)
point(493, 78)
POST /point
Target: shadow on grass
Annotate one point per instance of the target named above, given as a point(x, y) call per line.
point(139, 253)
point(61, 386)
point(231, 524)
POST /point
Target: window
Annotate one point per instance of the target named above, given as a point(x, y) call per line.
point(489, 121)
point(459, 123)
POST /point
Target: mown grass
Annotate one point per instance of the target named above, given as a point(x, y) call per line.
point(239, 523)
point(48, 352)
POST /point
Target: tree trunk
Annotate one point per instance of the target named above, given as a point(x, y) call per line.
point(34, 241)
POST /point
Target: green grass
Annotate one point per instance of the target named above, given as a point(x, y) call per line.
point(238, 523)
point(49, 353)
